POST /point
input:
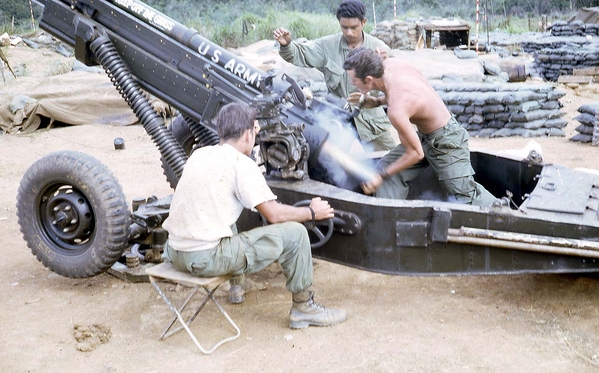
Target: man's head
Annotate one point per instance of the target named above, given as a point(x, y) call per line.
point(363, 66)
point(351, 9)
point(236, 121)
point(352, 18)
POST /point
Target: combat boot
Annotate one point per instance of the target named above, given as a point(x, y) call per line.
point(236, 291)
point(305, 312)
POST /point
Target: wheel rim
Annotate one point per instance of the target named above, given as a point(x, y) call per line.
point(66, 217)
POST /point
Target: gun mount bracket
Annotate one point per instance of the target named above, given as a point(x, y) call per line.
point(347, 222)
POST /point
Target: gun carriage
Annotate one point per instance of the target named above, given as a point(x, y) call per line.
point(75, 219)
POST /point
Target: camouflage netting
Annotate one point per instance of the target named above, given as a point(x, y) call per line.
point(503, 110)
point(588, 128)
point(551, 63)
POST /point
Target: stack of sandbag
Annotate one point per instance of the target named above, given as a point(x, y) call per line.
point(502, 110)
point(588, 130)
point(591, 29)
point(552, 42)
point(551, 63)
point(397, 34)
point(493, 73)
point(563, 28)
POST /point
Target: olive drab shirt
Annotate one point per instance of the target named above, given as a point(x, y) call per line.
point(327, 55)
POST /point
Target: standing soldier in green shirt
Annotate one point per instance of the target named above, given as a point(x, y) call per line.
point(328, 53)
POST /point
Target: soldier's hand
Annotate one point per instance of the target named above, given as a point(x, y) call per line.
point(354, 98)
point(368, 103)
point(282, 35)
point(369, 187)
point(382, 52)
point(322, 209)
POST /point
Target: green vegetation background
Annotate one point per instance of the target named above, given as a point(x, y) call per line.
point(234, 23)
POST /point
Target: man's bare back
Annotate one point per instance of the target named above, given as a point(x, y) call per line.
point(440, 142)
point(410, 95)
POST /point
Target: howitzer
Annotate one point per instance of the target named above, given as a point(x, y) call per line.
point(79, 224)
point(142, 48)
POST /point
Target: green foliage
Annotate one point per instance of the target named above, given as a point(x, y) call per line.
point(20, 26)
point(233, 23)
point(249, 27)
point(310, 26)
point(15, 16)
point(226, 36)
point(13, 8)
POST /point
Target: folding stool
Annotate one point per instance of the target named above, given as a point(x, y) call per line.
point(166, 271)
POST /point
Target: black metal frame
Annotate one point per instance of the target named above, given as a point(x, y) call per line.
point(411, 237)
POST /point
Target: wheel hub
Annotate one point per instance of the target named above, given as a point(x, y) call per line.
point(69, 216)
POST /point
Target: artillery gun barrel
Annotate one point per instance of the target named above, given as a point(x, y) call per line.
point(193, 40)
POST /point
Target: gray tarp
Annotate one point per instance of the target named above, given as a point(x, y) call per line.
point(77, 97)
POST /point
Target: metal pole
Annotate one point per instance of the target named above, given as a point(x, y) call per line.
point(522, 246)
point(32, 19)
point(374, 14)
point(487, 23)
point(522, 241)
point(477, 11)
point(394, 10)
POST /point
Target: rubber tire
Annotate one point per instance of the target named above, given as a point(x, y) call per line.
point(181, 132)
point(100, 194)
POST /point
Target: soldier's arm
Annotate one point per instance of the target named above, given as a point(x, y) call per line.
point(308, 54)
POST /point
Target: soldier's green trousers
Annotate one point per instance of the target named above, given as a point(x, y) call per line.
point(251, 251)
point(446, 151)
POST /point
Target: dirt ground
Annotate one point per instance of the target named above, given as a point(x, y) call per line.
point(49, 323)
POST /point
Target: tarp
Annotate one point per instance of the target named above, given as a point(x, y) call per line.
point(444, 25)
point(586, 15)
point(77, 97)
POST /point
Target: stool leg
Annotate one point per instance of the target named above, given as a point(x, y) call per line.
point(190, 320)
point(222, 310)
point(166, 334)
point(176, 312)
point(185, 325)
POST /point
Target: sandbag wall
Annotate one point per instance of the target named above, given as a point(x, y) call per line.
point(588, 130)
point(563, 28)
point(552, 42)
point(502, 110)
point(551, 63)
point(397, 34)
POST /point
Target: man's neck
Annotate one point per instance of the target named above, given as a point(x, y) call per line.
point(236, 144)
point(356, 45)
point(379, 85)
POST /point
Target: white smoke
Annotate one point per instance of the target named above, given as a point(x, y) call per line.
point(342, 155)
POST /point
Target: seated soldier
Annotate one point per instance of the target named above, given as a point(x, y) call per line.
point(218, 182)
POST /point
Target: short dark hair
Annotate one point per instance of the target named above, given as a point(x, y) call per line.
point(351, 9)
point(234, 119)
point(364, 62)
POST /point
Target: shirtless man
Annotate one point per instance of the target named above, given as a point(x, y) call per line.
point(440, 141)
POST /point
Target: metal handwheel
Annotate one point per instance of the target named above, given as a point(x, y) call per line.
point(316, 228)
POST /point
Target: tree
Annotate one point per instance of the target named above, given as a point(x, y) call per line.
point(17, 9)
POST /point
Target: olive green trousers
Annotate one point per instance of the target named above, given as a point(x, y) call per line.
point(446, 151)
point(248, 252)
